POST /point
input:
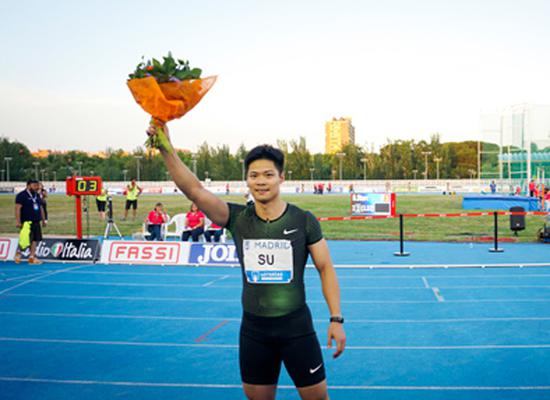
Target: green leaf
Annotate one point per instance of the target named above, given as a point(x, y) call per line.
point(196, 73)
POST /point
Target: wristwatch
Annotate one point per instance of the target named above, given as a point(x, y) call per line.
point(339, 319)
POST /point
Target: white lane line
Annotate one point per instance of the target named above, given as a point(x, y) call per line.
point(357, 276)
point(426, 284)
point(235, 346)
point(357, 321)
point(424, 266)
point(117, 343)
point(237, 300)
point(18, 278)
point(437, 294)
point(215, 280)
point(131, 284)
point(285, 387)
point(118, 316)
point(43, 275)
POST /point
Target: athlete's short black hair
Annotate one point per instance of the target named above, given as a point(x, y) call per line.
point(31, 181)
point(265, 152)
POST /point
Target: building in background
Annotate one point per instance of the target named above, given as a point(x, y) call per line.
point(338, 133)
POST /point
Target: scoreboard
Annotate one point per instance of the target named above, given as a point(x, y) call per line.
point(83, 185)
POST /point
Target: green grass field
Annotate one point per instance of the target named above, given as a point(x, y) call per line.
point(62, 218)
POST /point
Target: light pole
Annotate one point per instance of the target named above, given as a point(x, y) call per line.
point(167, 175)
point(290, 175)
point(426, 154)
point(36, 164)
point(242, 167)
point(91, 172)
point(333, 174)
point(364, 161)
point(7, 160)
point(194, 160)
point(437, 160)
point(414, 171)
point(124, 172)
point(206, 173)
point(137, 167)
point(79, 163)
point(42, 174)
point(311, 170)
point(341, 157)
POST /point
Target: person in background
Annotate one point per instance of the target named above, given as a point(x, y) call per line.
point(213, 231)
point(227, 189)
point(101, 202)
point(532, 188)
point(28, 216)
point(154, 222)
point(493, 187)
point(43, 193)
point(194, 221)
point(132, 193)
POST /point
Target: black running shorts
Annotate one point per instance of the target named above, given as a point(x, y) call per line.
point(266, 342)
point(100, 205)
point(132, 204)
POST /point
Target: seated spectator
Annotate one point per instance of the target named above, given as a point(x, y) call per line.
point(213, 231)
point(194, 224)
point(154, 222)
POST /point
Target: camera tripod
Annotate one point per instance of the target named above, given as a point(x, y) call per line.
point(110, 220)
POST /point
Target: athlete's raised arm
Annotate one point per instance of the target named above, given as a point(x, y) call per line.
point(216, 209)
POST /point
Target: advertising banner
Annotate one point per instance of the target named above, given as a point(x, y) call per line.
point(373, 204)
point(66, 250)
point(143, 252)
point(213, 254)
point(7, 248)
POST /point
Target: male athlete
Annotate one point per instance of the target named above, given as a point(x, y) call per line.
point(273, 241)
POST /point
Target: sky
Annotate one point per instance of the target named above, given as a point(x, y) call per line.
point(400, 69)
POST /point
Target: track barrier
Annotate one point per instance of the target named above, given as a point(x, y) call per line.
point(402, 253)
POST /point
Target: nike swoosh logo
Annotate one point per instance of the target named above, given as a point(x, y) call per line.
point(290, 231)
point(314, 370)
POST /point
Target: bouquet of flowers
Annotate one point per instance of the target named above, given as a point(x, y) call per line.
point(167, 91)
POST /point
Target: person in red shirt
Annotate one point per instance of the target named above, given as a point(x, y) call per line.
point(213, 231)
point(154, 222)
point(194, 224)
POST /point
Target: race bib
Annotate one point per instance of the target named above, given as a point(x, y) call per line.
point(268, 261)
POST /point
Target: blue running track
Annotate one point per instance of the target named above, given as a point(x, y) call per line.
point(74, 331)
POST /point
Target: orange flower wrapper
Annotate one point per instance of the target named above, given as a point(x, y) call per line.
point(170, 100)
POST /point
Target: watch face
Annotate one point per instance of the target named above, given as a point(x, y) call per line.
point(340, 320)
